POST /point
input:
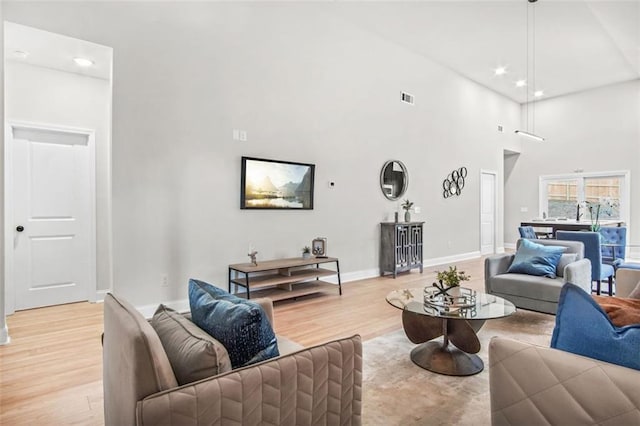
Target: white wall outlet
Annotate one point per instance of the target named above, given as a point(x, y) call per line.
point(417, 210)
point(524, 209)
point(164, 280)
point(243, 135)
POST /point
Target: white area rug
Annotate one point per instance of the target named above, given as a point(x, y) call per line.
point(398, 392)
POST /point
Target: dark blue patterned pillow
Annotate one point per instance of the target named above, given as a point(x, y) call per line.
point(240, 325)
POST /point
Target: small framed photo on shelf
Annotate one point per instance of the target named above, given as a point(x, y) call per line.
point(319, 247)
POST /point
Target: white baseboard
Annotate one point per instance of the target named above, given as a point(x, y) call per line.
point(345, 277)
point(499, 250)
point(183, 305)
point(100, 295)
point(4, 336)
point(450, 259)
point(511, 246)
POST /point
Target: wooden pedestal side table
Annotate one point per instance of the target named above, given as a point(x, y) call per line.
point(423, 321)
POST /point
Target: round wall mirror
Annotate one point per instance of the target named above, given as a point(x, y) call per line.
point(394, 179)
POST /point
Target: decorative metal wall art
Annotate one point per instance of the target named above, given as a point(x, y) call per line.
point(454, 183)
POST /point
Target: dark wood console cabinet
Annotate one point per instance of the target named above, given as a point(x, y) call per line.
point(400, 247)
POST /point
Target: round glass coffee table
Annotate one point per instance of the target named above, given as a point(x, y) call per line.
point(428, 314)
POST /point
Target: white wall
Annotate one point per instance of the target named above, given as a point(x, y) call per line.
point(46, 96)
point(595, 130)
point(306, 87)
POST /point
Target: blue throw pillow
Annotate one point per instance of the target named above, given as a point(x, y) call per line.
point(240, 325)
point(583, 328)
point(536, 259)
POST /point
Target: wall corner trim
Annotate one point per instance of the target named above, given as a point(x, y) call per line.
point(4, 336)
point(100, 295)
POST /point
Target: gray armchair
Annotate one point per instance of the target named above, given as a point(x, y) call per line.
point(533, 292)
point(532, 385)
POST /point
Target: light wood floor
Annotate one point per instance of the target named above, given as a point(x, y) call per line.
point(51, 373)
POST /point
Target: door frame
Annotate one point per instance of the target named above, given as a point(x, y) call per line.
point(495, 209)
point(9, 285)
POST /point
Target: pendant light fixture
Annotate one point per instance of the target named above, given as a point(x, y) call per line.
point(530, 135)
point(527, 133)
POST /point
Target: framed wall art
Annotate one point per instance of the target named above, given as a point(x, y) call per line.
point(273, 184)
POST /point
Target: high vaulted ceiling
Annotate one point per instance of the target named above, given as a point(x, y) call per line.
point(579, 44)
point(49, 50)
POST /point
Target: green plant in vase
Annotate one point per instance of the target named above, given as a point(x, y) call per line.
point(306, 252)
point(604, 206)
point(450, 279)
point(594, 214)
point(407, 207)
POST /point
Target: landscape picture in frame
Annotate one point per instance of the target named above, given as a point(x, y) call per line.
point(272, 184)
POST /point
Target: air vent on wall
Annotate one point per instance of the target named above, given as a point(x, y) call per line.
point(406, 98)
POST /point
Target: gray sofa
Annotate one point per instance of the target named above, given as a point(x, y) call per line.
point(532, 292)
point(313, 386)
point(533, 385)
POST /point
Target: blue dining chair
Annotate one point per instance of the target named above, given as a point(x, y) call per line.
point(614, 240)
point(593, 252)
point(527, 232)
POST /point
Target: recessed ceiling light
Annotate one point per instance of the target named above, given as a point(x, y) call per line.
point(20, 54)
point(500, 71)
point(83, 62)
point(521, 83)
point(538, 93)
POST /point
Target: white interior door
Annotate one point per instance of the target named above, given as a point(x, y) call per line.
point(487, 213)
point(53, 234)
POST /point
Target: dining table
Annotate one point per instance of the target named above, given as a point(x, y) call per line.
point(555, 224)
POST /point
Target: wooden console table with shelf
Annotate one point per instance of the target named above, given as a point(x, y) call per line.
point(281, 279)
